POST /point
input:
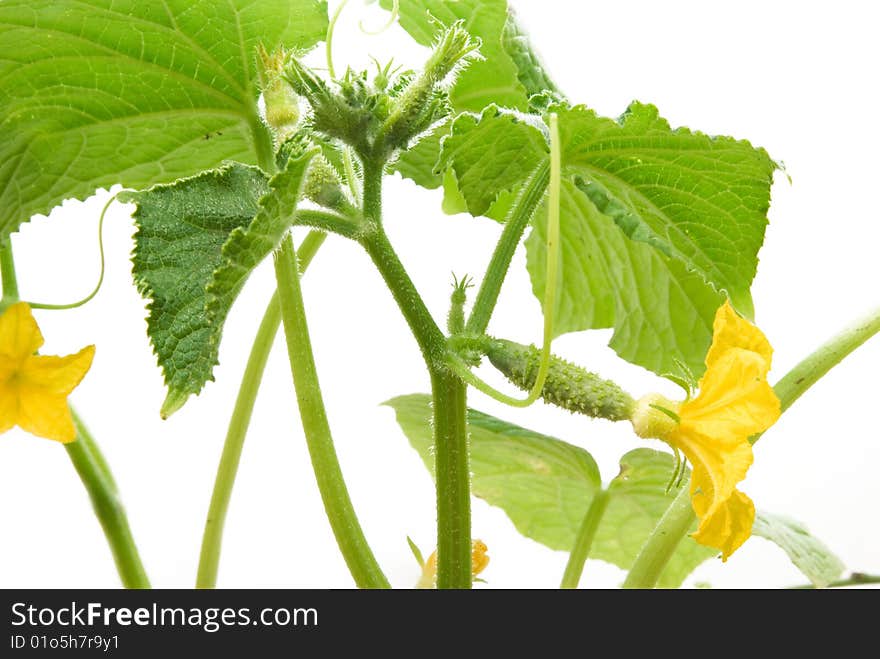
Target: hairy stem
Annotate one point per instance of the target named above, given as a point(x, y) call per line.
point(340, 512)
point(803, 376)
point(662, 542)
point(95, 476)
point(449, 392)
point(212, 538)
point(584, 540)
point(453, 481)
point(487, 297)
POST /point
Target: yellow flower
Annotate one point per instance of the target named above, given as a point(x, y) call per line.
point(33, 388)
point(479, 561)
point(735, 401)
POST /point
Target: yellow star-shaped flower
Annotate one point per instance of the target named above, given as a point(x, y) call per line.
point(34, 388)
point(479, 561)
point(735, 401)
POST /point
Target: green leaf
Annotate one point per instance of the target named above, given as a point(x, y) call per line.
point(99, 92)
point(635, 255)
point(492, 153)
point(637, 500)
point(530, 70)
point(546, 485)
point(196, 243)
point(660, 311)
point(701, 199)
point(247, 246)
point(181, 231)
point(494, 79)
point(808, 554)
point(421, 160)
point(543, 484)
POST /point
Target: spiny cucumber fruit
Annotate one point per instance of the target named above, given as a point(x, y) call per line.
point(568, 386)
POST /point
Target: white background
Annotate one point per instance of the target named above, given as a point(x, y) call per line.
point(797, 78)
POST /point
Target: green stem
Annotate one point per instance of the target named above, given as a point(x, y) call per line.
point(584, 540)
point(854, 579)
point(453, 481)
point(340, 512)
point(428, 335)
point(449, 392)
point(95, 476)
point(662, 542)
point(7, 274)
point(517, 221)
point(212, 539)
point(328, 39)
point(812, 368)
point(327, 221)
point(89, 462)
point(264, 146)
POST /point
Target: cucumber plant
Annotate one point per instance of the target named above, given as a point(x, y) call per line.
point(226, 137)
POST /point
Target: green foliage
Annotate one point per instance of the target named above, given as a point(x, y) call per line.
point(543, 484)
point(661, 312)
point(546, 485)
point(503, 76)
point(495, 79)
point(655, 223)
point(181, 231)
point(530, 70)
point(100, 92)
point(248, 245)
point(490, 154)
point(700, 199)
point(197, 241)
point(638, 498)
point(809, 555)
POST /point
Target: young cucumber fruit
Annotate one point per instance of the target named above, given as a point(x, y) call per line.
point(568, 386)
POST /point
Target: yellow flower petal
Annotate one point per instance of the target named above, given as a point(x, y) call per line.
point(34, 388)
point(57, 375)
point(735, 399)
point(19, 334)
point(719, 464)
point(727, 526)
point(45, 415)
point(8, 405)
point(730, 330)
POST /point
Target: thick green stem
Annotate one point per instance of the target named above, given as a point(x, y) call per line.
point(428, 335)
point(662, 542)
point(96, 477)
point(517, 221)
point(212, 539)
point(340, 512)
point(812, 368)
point(584, 540)
point(450, 407)
point(453, 481)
